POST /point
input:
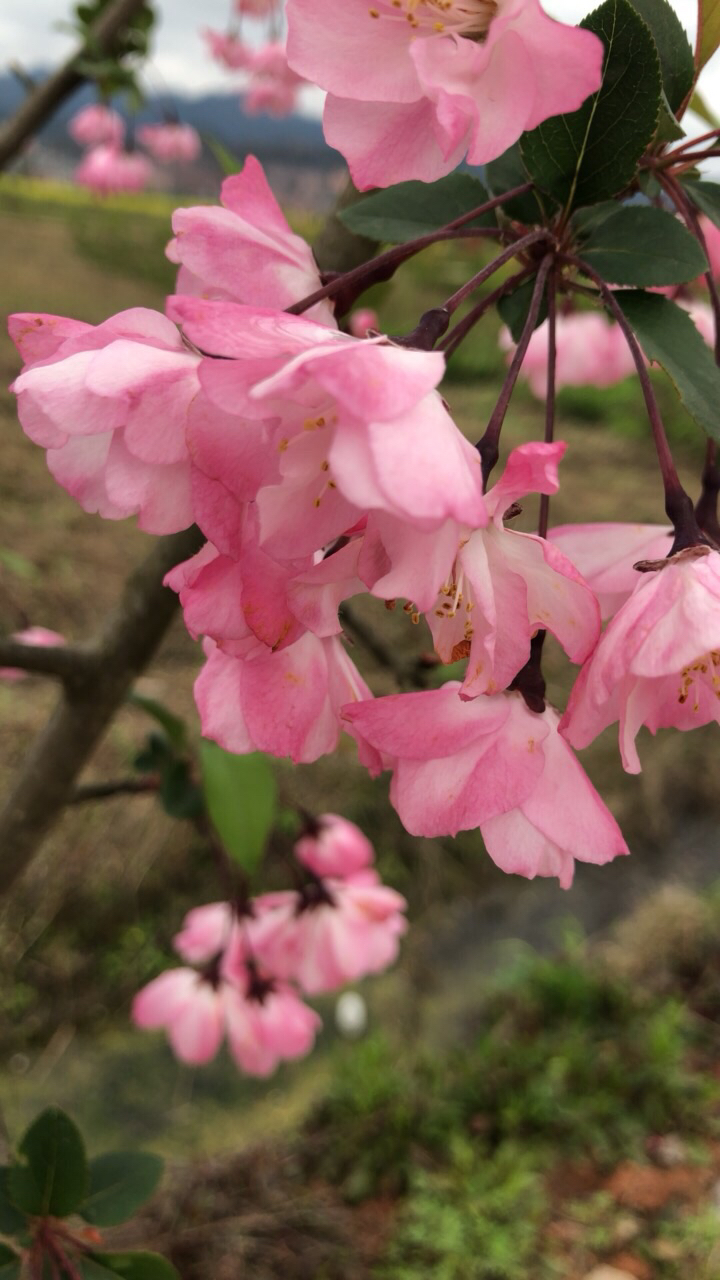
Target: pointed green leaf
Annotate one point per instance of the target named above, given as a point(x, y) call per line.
point(640, 245)
point(137, 1266)
point(413, 209)
point(674, 50)
point(508, 172)
point(593, 153)
point(706, 197)
point(120, 1182)
point(92, 1270)
point(174, 727)
point(667, 335)
point(240, 795)
point(514, 308)
point(701, 109)
point(228, 162)
point(53, 1177)
point(12, 1220)
point(708, 35)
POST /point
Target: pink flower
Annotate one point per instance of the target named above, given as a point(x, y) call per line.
point(702, 316)
point(486, 591)
point(107, 170)
point(285, 702)
point(590, 352)
point(357, 425)
point(96, 124)
point(605, 555)
point(264, 1020)
point(110, 405)
point(257, 8)
point(334, 847)
point(658, 662)
point(40, 636)
point(416, 87)
point(245, 251)
point(362, 321)
point(712, 243)
point(335, 931)
point(273, 85)
point(229, 50)
point(170, 142)
point(489, 763)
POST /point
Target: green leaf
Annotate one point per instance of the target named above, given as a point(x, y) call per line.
point(137, 1266)
point(413, 209)
point(54, 1178)
point(677, 64)
point(507, 172)
point(640, 245)
point(10, 1264)
point(593, 153)
point(514, 307)
point(12, 1220)
point(92, 1270)
point(18, 565)
point(174, 727)
point(708, 35)
point(240, 795)
point(228, 162)
point(120, 1182)
point(667, 335)
point(180, 794)
point(701, 108)
point(669, 128)
point(706, 197)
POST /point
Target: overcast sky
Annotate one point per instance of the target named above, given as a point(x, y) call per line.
point(29, 33)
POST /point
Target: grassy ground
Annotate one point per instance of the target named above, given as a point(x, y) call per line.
point(94, 916)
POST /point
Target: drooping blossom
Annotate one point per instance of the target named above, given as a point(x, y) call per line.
point(605, 555)
point(170, 142)
point(245, 251)
point(332, 846)
point(590, 352)
point(485, 591)
point(658, 662)
point(40, 636)
point(97, 124)
point(362, 321)
point(109, 403)
point(108, 170)
point(264, 1020)
point(334, 931)
point(229, 50)
point(356, 425)
point(415, 86)
point(273, 85)
point(490, 763)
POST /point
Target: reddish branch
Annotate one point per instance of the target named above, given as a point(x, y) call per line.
point(43, 101)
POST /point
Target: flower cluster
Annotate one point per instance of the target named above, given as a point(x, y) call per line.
point(270, 84)
point(110, 165)
point(247, 963)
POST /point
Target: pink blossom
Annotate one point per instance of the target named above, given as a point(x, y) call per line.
point(658, 662)
point(712, 244)
point(97, 124)
point(264, 1020)
point(170, 142)
point(605, 555)
point(416, 87)
point(357, 424)
point(489, 763)
point(257, 8)
point(362, 321)
point(40, 636)
point(245, 251)
point(108, 170)
point(273, 85)
point(486, 591)
point(591, 351)
point(702, 316)
point(229, 50)
point(285, 702)
point(109, 403)
point(334, 847)
point(335, 931)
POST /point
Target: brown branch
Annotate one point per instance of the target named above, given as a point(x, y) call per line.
point(87, 706)
point(114, 787)
point(43, 101)
point(65, 663)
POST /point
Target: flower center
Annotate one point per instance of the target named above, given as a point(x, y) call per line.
point(704, 670)
point(469, 18)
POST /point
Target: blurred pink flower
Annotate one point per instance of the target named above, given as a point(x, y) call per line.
point(107, 170)
point(334, 847)
point(229, 50)
point(95, 125)
point(170, 142)
point(591, 351)
point(363, 320)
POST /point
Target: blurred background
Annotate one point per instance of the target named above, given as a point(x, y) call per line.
point(536, 1091)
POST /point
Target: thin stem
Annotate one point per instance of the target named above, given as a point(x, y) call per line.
point(468, 322)
point(452, 303)
point(400, 253)
point(118, 787)
point(488, 445)
point(707, 506)
point(677, 502)
point(687, 212)
point(550, 395)
point(693, 142)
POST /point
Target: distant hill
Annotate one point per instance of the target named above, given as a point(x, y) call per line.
point(292, 140)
